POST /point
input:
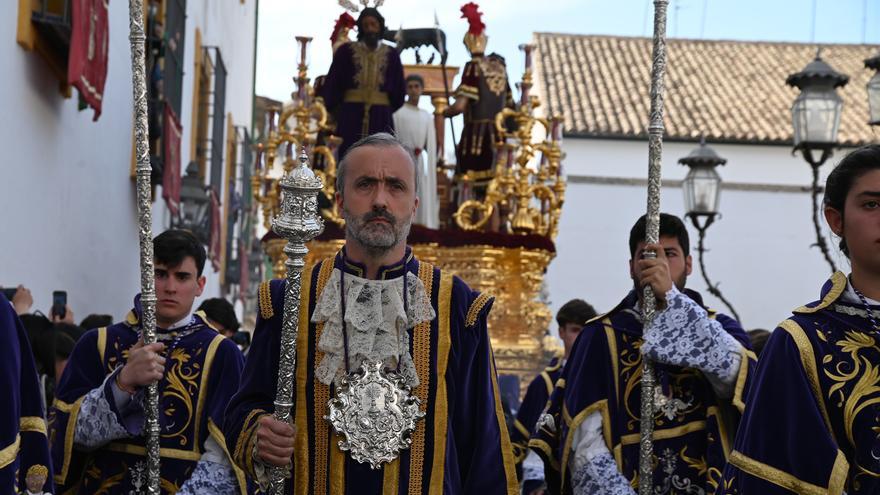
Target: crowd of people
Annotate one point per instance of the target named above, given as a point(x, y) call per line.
point(395, 388)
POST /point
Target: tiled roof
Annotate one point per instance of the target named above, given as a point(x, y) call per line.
point(733, 91)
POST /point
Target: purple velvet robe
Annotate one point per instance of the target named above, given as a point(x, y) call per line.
point(23, 441)
point(813, 414)
point(201, 375)
point(460, 447)
point(362, 80)
point(531, 408)
point(603, 374)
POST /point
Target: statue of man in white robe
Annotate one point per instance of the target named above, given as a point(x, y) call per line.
point(415, 128)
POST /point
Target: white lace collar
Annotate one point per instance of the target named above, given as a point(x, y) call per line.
point(376, 320)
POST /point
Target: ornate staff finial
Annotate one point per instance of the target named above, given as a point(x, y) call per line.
point(299, 222)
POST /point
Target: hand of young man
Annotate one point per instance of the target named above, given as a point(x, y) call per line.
point(274, 441)
point(145, 366)
point(655, 272)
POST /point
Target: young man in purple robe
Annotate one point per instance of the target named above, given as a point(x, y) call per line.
point(813, 413)
point(571, 318)
point(96, 423)
point(374, 301)
point(24, 448)
point(365, 85)
point(589, 436)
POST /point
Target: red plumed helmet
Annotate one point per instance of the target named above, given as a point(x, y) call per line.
point(471, 12)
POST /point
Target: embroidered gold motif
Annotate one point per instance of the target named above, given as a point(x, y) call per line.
point(369, 65)
point(476, 307)
point(322, 395)
point(495, 75)
point(422, 359)
point(266, 310)
point(181, 385)
point(32, 423)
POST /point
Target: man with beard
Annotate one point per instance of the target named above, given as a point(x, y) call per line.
point(365, 85)
point(589, 435)
point(375, 302)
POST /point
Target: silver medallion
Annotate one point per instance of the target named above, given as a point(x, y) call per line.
point(375, 414)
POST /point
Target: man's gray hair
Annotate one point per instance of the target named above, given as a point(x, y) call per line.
point(382, 139)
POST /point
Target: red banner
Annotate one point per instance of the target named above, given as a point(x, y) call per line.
point(171, 178)
point(216, 233)
point(87, 59)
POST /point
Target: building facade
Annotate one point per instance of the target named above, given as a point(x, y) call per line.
point(68, 186)
point(734, 94)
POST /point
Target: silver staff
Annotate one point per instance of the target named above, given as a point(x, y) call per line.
point(145, 229)
point(655, 152)
point(298, 222)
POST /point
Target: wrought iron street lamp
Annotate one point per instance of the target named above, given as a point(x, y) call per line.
point(816, 119)
point(702, 195)
point(194, 203)
point(874, 90)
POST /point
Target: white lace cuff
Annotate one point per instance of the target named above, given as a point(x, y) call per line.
point(684, 335)
point(209, 477)
point(600, 476)
point(533, 467)
point(97, 423)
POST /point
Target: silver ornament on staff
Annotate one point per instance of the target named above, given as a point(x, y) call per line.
point(298, 222)
point(137, 39)
point(655, 152)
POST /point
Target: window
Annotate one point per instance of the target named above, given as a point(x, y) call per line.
point(44, 27)
point(209, 112)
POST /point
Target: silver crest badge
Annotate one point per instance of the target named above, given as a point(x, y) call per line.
point(375, 414)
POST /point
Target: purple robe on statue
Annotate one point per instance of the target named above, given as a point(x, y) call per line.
point(363, 89)
point(460, 447)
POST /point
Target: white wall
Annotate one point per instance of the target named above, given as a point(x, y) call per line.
point(69, 218)
point(759, 250)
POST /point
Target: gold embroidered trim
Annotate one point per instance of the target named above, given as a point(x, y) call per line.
point(808, 361)
point(72, 410)
point(785, 480)
point(185, 455)
point(266, 310)
point(722, 429)
point(35, 424)
point(544, 447)
point(247, 429)
point(741, 378)
point(475, 309)
point(321, 395)
point(574, 423)
point(337, 470)
point(301, 452)
point(506, 447)
point(611, 337)
point(422, 360)
point(390, 478)
point(548, 382)
point(838, 285)
point(441, 414)
point(102, 343)
point(203, 386)
point(667, 433)
point(218, 437)
point(10, 452)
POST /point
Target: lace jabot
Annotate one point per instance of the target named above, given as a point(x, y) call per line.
point(376, 323)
